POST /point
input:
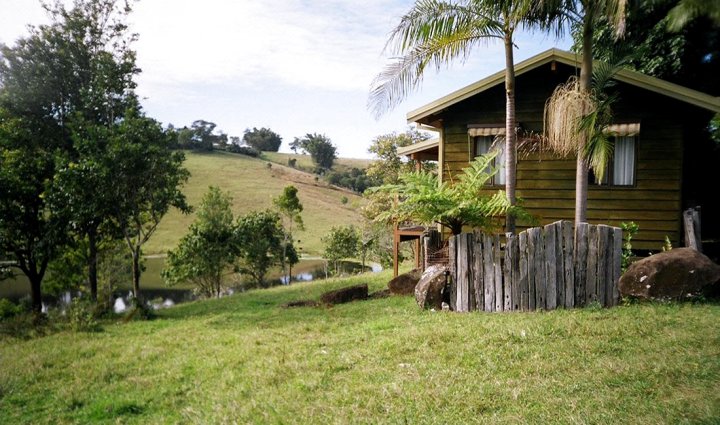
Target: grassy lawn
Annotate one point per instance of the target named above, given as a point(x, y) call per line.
point(253, 186)
point(243, 359)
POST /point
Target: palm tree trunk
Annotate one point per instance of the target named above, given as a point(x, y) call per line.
point(581, 175)
point(510, 133)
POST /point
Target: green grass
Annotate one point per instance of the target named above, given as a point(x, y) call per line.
point(305, 162)
point(243, 359)
point(253, 186)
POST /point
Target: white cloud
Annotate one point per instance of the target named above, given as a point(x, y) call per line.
point(329, 43)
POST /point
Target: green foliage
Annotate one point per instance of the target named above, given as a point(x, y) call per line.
point(263, 139)
point(424, 199)
point(320, 148)
point(629, 230)
point(354, 179)
point(389, 165)
point(147, 182)
point(8, 309)
point(667, 245)
point(81, 315)
point(260, 238)
point(209, 249)
point(243, 150)
point(200, 136)
point(344, 200)
point(341, 242)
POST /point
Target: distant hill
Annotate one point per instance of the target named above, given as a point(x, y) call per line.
point(253, 185)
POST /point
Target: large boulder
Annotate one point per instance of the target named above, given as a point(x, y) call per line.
point(345, 295)
point(404, 284)
point(429, 290)
point(675, 274)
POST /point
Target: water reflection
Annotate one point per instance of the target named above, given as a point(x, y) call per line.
point(163, 297)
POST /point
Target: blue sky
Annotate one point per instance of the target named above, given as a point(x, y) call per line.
point(296, 66)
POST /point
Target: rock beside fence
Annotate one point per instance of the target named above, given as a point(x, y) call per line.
point(345, 295)
point(429, 290)
point(675, 274)
point(405, 283)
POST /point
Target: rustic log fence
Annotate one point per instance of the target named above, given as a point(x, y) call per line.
point(541, 268)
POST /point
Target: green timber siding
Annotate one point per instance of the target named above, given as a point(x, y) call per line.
point(547, 183)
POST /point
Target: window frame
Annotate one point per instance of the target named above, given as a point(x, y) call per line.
point(492, 140)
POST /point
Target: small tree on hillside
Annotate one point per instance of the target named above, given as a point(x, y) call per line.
point(260, 241)
point(263, 139)
point(206, 253)
point(341, 242)
point(320, 148)
point(289, 206)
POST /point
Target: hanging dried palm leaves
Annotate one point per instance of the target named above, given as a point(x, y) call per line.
point(565, 111)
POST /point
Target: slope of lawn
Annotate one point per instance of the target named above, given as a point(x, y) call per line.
point(244, 359)
point(305, 161)
point(253, 186)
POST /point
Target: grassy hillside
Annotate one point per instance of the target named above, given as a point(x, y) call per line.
point(305, 161)
point(244, 359)
point(253, 186)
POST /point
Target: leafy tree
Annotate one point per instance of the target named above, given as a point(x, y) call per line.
point(424, 199)
point(320, 148)
point(263, 139)
point(209, 249)
point(289, 206)
point(388, 165)
point(341, 242)
point(260, 240)
point(436, 32)
point(147, 181)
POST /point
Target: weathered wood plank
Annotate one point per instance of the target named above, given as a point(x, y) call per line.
point(532, 240)
point(550, 267)
point(489, 273)
point(559, 266)
point(478, 272)
point(617, 264)
point(608, 282)
point(507, 275)
point(539, 271)
point(591, 290)
point(568, 270)
point(523, 271)
point(580, 263)
point(515, 287)
point(463, 272)
point(603, 242)
point(452, 266)
point(498, 266)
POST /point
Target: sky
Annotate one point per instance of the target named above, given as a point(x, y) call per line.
point(294, 66)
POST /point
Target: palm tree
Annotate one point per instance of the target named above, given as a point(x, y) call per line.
point(577, 98)
point(436, 32)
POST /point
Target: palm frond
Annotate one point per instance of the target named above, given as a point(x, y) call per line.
point(433, 33)
point(564, 113)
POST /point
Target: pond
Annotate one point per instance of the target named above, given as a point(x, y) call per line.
point(161, 296)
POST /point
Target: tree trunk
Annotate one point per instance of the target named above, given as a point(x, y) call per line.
point(136, 274)
point(35, 292)
point(581, 175)
point(510, 132)
point(92, 264)
point(289, 273)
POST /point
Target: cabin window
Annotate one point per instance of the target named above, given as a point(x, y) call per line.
point(621, 170)
point(483, 145)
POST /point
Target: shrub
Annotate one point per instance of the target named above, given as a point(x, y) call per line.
point(344, 200)
point(629, 230)
point(81, 316)
point(8, 309)
point(244, 150)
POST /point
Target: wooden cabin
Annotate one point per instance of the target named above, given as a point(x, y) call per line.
point(663, 162)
